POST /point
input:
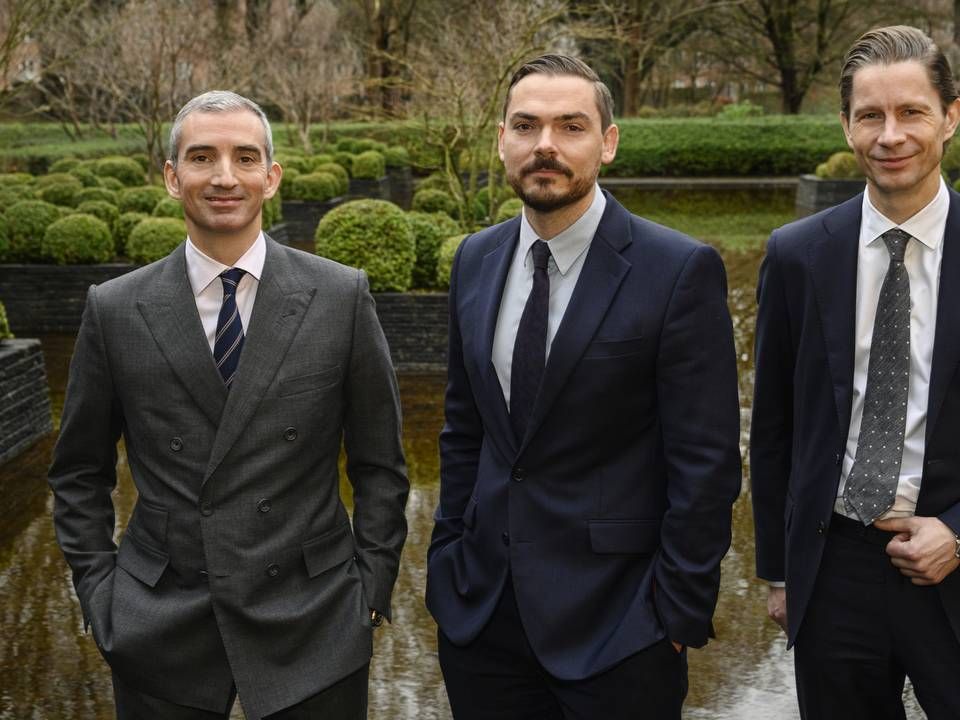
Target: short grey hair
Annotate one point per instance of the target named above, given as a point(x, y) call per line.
point(218, 101)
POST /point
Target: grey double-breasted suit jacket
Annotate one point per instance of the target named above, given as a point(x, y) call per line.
point(239, 563)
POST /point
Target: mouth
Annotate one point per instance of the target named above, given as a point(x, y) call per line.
point(547, 168)
point(893, 163)
point(224, 200)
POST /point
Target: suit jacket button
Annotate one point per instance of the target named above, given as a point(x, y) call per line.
point(206, 509)
point(290, 434)
point(839, 458)
point(264, 505)
point(517, 474)
point(273, 570)
point(506, 538)
point(821, 528)
point(176, 444)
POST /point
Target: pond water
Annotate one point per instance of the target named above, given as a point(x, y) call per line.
point(50, 669)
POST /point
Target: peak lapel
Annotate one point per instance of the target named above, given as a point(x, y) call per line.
point(278, 310)
point(171, 314)
point(833, 267)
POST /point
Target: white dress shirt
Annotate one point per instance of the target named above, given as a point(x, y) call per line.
point(204, 274)
point(922, 262)
point(568, 250)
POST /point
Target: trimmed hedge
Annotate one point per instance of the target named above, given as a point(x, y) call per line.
point(100, 209)
point(27, 222)
point(448, 249)
point(86, 176)
point(95, 193)
point(155, 238)
point(431, 201)
point(168, 207)
point(317, 187)
point(5, 333)
point(4, 236)
point(140, 199)
point(78, 240)
point(125, 225)
point(373, 235)
point(344, 160)
point(12, 194)
point(127, 171)
point(396, 156)
point(840, 166)
point(272, 211)
point(111, 183)
point(508, 209)
point(368, 165)
point(430, 230)
point(342, 176)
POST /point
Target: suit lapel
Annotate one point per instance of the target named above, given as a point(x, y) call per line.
point(833, 268)
point(171, 314)
point(946, 344)
point(278, 311)
point(603, 270)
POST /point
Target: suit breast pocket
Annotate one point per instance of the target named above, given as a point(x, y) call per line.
point(298, 380)
point(602, 349)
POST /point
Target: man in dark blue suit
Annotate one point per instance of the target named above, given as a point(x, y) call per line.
point(590, 454)
point(856, 419)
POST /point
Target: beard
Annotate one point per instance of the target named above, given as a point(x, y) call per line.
point(543, 197)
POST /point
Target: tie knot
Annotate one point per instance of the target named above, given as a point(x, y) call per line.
point(230, 278)
point(896, 241)
point(541, 254)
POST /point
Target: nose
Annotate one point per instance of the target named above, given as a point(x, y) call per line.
point(223, 174)
point(892, 133)
point(546, 145)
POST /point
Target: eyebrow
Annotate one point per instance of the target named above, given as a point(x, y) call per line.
point(519, 115)
point(210, 148)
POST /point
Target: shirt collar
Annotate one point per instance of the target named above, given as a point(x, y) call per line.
point(203, 270)
point(927, 226)
point(570, 244)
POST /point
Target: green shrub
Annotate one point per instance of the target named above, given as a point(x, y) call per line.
point(342, 176)
point(60, 193)
point(5, 333)
point(370, 234)
point(27, 222)
point(429, 230)
point(346, 145)
point(4, 237)
point(123, 169)
point(369, 165)
point(317, 160)
point(18, 178)
point(101, 209)
point(155, 238)
point(55, 179)
point(437, 181)
point(86, 176)
point(12, 194)
point(142, 159)
point(64, 165)
point(481, 202)
point(740, 110)
point(445, 255)
point(272, 211)
point(508, 209)
point(363, 145)
point(125, 225)
point(78, 239)
point(344, 160)
point(111, 184)
point(316, 187)
point(396, 156)
point(289, 161)
point(841, 165)
point(168, 207)
point(432, 201)
point(140, 199)
point(97, 193)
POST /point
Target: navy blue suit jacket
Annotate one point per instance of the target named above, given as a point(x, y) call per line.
point(803, 395)
point(613, 512)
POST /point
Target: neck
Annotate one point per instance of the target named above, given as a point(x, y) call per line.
point(549, 224)
point(226, 248)
point(900, 207)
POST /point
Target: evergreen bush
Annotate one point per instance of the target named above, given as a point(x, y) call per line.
point(55, 179)
point(290, 161)
point(64, 165)
point(27, 221)
point(445, 255)
point(86, 176)
point(4, 237)
point(143, 160)
point(125, 225)
point(344, 160)
point(342, 176)
point(431, 201)
point(369, 165)
point(286, 182)
point(272, 212)
point(95, 193)
point(317, 160)
point(155, 238)
point(436, 181)
point(315, 187)
point(481, 203)
point(5, 333)
point(140, 199)
point(16, 178)
point(127, 171)
point(840, 166)
point(168, 207)
point(11, 194)
point(60, 193)
point(111, 183)
point(429, 230)
point(508, 209)
point(78, 240)
point(374, 235)
point(101, 209)
point(396, 156)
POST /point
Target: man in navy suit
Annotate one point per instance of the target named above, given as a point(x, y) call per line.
point(590, 457)
point(856, 417)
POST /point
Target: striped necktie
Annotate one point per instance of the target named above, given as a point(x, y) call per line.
point(229, 338)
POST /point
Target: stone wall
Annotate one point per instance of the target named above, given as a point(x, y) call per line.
point(24, 397)
point(47, 299)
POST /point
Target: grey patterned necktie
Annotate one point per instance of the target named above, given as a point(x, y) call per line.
point(872, 484)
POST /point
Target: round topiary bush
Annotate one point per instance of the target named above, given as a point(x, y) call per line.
point(86, 176)
point(509, 209)
point(431, 201)
point(841, 165)
point(155, 238)
point(445, 255)
point(396, 156)
point(78, 240)
point(63, 165)
point(437, 181)
point(374, 235)
point(317, 160)
point(290, 161)
point(4, 237)
point(127, 171)
point(344, 160)
point(100, 209)
point(168, 207)
point(125, 225)
point(342, 176)
point(142, 159)
point(140, 199)
point(54, 179)
point(27, 221)
point(481, 203)
point(60, 193)
point(369, 165)
point(16, 178)
point(110, 183)
point(272, 211)
point(5, 333)
point(430, 230)
point(95, 193)
point(346, 145)
point(365, 144)
point(316, 187)
point(12, 194)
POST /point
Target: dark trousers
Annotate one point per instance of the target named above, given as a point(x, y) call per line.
point(497, 677)
point(866, 628)
point(344, 700)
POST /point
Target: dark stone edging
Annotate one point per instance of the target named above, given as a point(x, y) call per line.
point(49, 299)
point(815, 194)
point(24, 397)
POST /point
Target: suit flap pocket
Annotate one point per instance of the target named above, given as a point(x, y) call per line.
point(470, 513)
point(328, 550)
point(298, 380)
point(634, 537)
point(613, 348)
point(142, 562)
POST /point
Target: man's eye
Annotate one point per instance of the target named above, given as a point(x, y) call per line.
point(574, 128)
point(199, 158)
point(522, 127)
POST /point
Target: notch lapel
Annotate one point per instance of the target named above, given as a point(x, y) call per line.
point(172, 317)
point(833, 268)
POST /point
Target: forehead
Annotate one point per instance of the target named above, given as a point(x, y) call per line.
point(893, 84)
point(553, 95)
point(228, 128)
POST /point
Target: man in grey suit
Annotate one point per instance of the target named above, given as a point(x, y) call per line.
point(232, 368)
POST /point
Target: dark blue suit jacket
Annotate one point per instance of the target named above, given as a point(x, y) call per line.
point(614, 511)
point(804, 388)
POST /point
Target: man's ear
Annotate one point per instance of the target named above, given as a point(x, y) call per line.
point(171, 180)
point(272, 182)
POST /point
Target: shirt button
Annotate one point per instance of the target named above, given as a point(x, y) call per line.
point(505, 537)
point(273, 570)
point(206, 509)
point(290, 434)
point(176, 444)
point(264, 505)
point(517, 474)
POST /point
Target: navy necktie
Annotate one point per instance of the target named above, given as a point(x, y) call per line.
point(530, 347)
point(229, 338)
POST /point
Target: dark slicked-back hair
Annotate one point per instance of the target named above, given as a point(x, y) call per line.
point(558, 65)
point(897, 43)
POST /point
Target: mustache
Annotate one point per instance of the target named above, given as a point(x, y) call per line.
point(546, 163)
